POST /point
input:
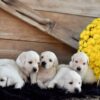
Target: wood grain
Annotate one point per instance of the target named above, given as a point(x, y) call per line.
point(77, 7)
point(11, 49)
point(70, 25)
point(13, 28)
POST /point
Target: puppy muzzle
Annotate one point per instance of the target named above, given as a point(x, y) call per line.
point(78, 69)
point(43, 64)
point(76, 90)
point(34, 70)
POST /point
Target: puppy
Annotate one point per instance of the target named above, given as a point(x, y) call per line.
point(79, 62)
point(28, 63)
point(67, 79)
point(48, 68)
point(10, 74)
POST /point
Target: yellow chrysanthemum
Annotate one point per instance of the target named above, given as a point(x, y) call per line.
point(90, 44)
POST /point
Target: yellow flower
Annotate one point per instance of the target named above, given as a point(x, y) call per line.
point(90, 44)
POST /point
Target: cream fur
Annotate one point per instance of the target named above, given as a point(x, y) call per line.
point(85, 71)
point(48, 71)
point(28, 63)
point(10, 74)
point(63, 79)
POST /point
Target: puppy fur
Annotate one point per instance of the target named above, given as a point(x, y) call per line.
point(67, 79)
point(79, 63)
point(10, 74)
point(48, 68)
point(28, 63)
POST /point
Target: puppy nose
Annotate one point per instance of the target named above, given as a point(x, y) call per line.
point(34, 69)
point(43, 64)
point(78, 68)
point(76, 90)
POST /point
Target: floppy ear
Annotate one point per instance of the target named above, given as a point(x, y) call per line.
point(72, 57)
point(71, 62)
point(21, 59)
point(56, 62)
point(87, 60)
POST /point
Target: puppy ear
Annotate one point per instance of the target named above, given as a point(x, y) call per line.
point(56, 62)
point(21, 59)
point(87, 60)
point(72, 58)
point(71, 62)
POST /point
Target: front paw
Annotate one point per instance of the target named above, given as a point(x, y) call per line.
point(33, 82)
point(41, 85)
point(51, 85)
point(19, 85)
point(46, 84)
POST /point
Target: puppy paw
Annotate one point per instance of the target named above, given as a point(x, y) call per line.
point(19, 85)
point(33, 82)
point(51, 85)
point(41, 85)
point(46, 84)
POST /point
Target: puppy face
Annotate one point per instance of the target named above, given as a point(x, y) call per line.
point(74, 82)
point(48, 59)
point(28, 61)
point(79, 62)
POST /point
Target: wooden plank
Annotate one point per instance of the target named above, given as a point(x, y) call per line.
point(75, 24)
point(16, 29)
point(25, 13)
point(77, 7)
point(59, 32)
point(13, 28)
point(11, 49)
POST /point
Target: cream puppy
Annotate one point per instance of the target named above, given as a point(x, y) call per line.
point(48, 68)
point(79, 62)
point(67, 79)
point(28, 63)
point(10, 74)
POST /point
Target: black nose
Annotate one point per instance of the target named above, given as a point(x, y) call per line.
point(78, 68)
point(34, 69)
point(43, 64)
point(76, 90)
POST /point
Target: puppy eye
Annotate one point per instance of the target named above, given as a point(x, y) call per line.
point(50, 60)
point(1, 80)
point(79, 82)
point(41, 57)
point(70, 83)
point(76, 61)
point(30, 62)
point(84, 63)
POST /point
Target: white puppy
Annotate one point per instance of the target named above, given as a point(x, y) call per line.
point(48, 68)
point(28, 63)
point(10, 74)
point(79, 62)
point(67, 79)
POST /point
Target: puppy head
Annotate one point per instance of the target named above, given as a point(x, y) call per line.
point(79, 62)
point(28, 61)
point(74, 82)
point(48, 60)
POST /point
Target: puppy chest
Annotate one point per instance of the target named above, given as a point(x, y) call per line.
point(45, 76)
